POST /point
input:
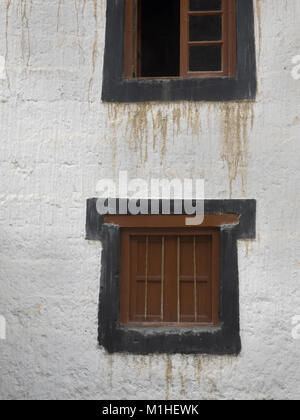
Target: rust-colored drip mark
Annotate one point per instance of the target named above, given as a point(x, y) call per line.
point(95, 51)
point(235, 121)
point(83, 7)
point(60, 2)
point(152, 119)
point(259, 23)
point(178, 278)
point(197, 367)
point(162, 276)
point(77, 7)
point(6, 42)
point(176, 114)
point(195, 281)
point(169, 378)
point(146, 277)
point(150, 367)
point(247, 248)
point(182, 372)
point(111, 368)
point(25, 27)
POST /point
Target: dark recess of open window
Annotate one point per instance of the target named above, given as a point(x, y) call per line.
point(159, 38)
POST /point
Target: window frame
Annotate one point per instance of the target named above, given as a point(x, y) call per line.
point(126, 307)
point(117, 88)
point(223, 339)
point(228, 42)
point(132, 34)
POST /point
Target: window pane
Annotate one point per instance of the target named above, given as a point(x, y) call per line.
point(199, 5)
point(206, 58)
point(205, 28)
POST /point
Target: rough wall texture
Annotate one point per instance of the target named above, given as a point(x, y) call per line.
point(58, 140)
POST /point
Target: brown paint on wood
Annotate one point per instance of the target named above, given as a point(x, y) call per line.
point(167, 221)
point(132, 65)
point(186, 293)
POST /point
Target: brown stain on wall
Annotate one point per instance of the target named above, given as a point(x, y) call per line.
point(150, 367)
point(60, 3)
point(83, 7)
point(95, 51)
point(182, 374)
point(169, 376)
point(8, 4)
point(25, 40)
point(236, 118)
point(247, 249)
point(141, 365)
point(296, 264)
point(176, 117)
point(259, 25)
point(23, 9)
point(197, 367)
point(110, 360)
point(77, 10)
point(136, 124)
point(112, 129)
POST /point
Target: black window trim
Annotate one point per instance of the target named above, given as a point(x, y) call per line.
point(116, 88)
point(221, 340)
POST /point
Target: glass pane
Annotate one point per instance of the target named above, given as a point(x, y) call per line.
point(206, 58)
point(205, 28)
point(199, 5)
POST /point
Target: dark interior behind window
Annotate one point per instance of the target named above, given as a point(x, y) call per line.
point(160, 29)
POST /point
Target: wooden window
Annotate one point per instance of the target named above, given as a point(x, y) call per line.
point(180, 38)
point(170, 276)
point(122, 324)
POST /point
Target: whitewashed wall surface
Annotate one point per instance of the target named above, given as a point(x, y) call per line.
point(58, 140)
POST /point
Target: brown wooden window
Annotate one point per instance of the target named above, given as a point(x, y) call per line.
point(180, 38)
point(159, 275)
point(170, 276)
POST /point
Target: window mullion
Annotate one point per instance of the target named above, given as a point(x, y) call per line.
point(184, 37)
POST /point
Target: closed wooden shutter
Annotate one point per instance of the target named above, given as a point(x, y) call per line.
point(170, 276)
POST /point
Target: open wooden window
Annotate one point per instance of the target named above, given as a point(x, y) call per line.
point(170, 277)
point(180, 38)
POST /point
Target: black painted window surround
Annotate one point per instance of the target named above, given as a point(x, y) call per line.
point(116, 88)
point(221, 340)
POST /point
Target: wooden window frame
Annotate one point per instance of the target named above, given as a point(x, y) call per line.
point(119, 89)
point(132, 36)
point(239, 223)
point(128, 314)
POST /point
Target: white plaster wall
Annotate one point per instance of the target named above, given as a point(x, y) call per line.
point(57, 140)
